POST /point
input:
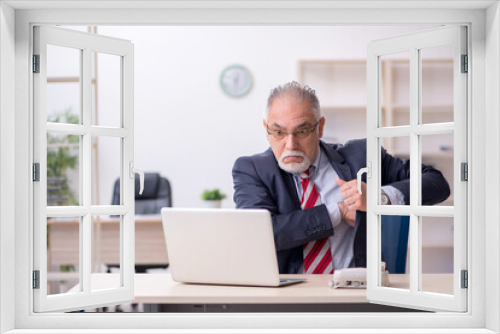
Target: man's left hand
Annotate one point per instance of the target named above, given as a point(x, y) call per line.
point(352, 198)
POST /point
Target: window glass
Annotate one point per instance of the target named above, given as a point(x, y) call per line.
point(106, 162)
point(437, 151)
point(106, 91)
point(437, 84)
point(63, 169)
point(437, 254)
point(395, 89)
point(394, 255)
point(63, 254)
point(397, 147)
point(63, 84)
point(105, 252)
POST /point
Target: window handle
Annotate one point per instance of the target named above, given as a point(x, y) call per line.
point(133, 171)
point(366, 170)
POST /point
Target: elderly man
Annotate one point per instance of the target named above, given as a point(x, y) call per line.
point(310, 187)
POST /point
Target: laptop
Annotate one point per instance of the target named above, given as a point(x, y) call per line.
point(222, 246)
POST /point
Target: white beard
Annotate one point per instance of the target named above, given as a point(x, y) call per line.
point(295, 167)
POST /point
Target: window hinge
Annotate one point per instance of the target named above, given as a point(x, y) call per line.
point(36, 172)
point(36, 279)
point(465, 279)
point(36, 63)
point(464, 171)
point(465, 64)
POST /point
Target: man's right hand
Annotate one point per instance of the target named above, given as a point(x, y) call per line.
point(349, 216)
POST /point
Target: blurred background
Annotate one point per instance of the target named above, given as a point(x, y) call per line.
point(189, 128)
point(186, 127)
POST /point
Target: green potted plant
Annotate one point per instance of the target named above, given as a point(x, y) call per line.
point(62, 157)
point(213, 198)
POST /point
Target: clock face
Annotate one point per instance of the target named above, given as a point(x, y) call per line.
point(236, 80)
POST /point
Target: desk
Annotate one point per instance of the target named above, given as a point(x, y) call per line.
point(312, 295)
point(150, 248)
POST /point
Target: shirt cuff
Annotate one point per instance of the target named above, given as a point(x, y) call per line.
point(395, 195)
point(334, 212)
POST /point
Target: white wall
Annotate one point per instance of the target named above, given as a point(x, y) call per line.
point(491, 161)
point(186, 128)
point(7, 166)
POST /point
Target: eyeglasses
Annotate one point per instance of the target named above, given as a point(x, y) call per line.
point(301, 133)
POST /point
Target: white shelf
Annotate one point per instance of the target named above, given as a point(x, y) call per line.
point(438, 154)
point(430, 108)
point(340, 108)
point(437, 244)
point(431, 154)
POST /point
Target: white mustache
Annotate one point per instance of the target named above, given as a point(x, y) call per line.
point(292, 154)
point(294, 168)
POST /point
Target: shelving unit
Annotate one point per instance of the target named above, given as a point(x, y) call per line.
point(341, 88)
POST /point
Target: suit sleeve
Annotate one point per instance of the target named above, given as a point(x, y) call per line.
point(291, 229)
point(396, 173)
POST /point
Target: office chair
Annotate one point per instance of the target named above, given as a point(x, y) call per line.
point(156, 195)
point(395, 230)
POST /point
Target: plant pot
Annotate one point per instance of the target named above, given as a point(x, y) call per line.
point(213, 204)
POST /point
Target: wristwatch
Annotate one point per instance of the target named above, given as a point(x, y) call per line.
point(384, 199)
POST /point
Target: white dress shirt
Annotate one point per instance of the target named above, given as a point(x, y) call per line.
point(323, 175)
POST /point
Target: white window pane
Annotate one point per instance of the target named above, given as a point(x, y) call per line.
point(437, 84)
point(438, 152)
point(63, 84)
point(63, 254)
point(437, 253)
point(106, 252)
point(395, 89)
point(394, 249)
point(398, 147)
point(107, 91)
point(63, 169)
point(108, 167)
point(63, 102)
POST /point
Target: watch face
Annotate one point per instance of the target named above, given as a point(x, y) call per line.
point(384, 200)
point(236, 80)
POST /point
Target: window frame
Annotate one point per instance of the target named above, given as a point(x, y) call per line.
point(85, 43)
point(477, 317)
point(414, 43)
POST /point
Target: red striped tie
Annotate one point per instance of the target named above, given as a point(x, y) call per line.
point(317, 253)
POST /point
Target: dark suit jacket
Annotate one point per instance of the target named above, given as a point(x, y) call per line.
point(260, 183)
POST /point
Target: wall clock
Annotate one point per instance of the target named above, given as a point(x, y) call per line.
point(236, 80)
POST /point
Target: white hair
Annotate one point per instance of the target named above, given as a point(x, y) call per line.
point(294, 91)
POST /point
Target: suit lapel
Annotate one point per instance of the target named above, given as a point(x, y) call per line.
point(337, 161)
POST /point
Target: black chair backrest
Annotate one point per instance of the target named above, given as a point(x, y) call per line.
point(156, 195)
point(395, 232)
